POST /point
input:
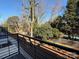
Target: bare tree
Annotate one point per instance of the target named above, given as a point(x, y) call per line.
point(32, 13)
point(56, 9)
point(13, 23)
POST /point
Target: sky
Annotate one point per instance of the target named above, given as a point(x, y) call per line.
point(13, 8)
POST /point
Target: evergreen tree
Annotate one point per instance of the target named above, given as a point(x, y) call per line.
point(70, 17)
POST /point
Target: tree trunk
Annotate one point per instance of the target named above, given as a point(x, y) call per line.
point(32, 12)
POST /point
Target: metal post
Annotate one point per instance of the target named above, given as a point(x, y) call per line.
point(8, 41)
point(18, 42)
point(34, 49)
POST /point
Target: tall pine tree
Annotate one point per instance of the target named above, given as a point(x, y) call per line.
point(71, 16)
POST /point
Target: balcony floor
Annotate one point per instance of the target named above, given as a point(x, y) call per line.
point(18, 56)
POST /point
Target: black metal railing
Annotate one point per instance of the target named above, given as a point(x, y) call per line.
point(39, 49)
